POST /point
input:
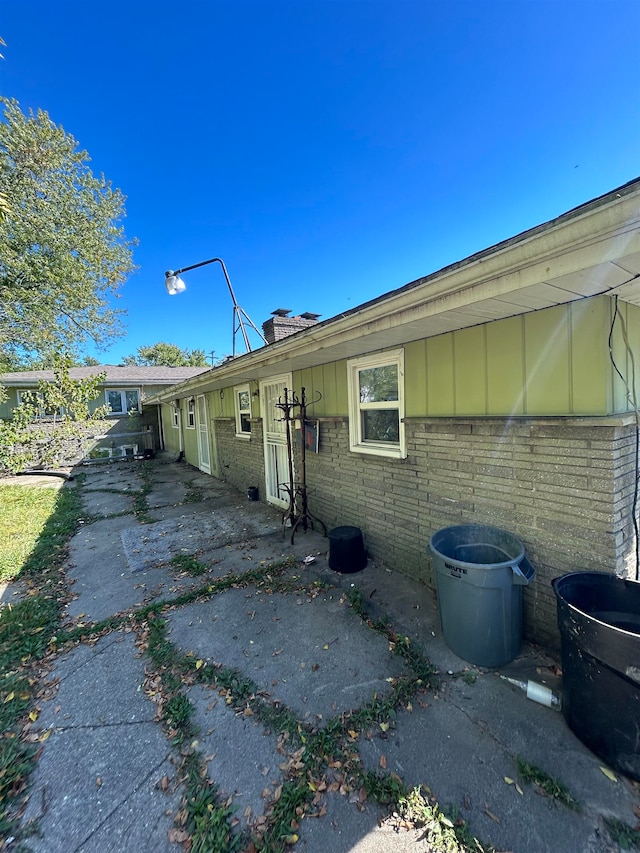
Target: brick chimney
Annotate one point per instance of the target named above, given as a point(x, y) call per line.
point(281, 325)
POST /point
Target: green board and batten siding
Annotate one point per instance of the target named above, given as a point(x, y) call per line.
point(546, 363)
point(553, 362)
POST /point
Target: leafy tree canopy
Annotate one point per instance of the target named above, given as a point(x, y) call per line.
point(63, 251)
point(167, 355)
point(63, 403)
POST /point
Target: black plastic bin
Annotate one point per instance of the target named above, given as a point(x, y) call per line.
point(480, 572)
point(599, 621)
point(346, 549)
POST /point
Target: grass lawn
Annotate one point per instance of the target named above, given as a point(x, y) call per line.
point(35, 526)
point(32, 522)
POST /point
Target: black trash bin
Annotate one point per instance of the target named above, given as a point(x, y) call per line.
point(480, 572)
point(599, 622)
point(346, 549)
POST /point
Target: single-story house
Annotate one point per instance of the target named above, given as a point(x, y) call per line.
point(499, 390)
point(130, 427)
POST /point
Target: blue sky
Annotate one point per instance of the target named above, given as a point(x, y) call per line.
point(327, 151)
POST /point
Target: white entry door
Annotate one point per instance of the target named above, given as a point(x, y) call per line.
point(202, 424)
point(276, 463)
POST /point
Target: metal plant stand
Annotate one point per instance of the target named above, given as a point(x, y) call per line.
point(296, 491)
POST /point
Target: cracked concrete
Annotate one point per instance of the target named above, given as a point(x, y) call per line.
point(79, 793)
point(98, 783)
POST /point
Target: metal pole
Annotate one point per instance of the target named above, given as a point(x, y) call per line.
point(237, 310)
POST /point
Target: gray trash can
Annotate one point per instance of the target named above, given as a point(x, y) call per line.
point(480, 572)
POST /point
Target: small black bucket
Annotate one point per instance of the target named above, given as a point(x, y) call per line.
point(252, 493)
point(599, 621)
point(346, 549)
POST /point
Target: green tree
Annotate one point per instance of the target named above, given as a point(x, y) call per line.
point(167, 355)
point(63, 251)
point(54, 424)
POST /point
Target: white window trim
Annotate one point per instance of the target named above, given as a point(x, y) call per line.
point(123, 400)
point(41, 414)
point(356, 442)
point(191, 413)
point(175, 417)
point(238, 389)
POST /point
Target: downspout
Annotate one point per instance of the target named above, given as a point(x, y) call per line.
point(161, 428)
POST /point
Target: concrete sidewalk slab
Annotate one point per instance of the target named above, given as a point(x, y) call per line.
point(242, 759)
point(106, 503)
point(103, 759)
point(118, 476)
point(157, 543)
point(307, 649)
point(312, 654)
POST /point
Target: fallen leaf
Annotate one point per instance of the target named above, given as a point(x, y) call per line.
point(44, 736)
point(508, 780)
point(384, 727)
point(490, 814)
point(326, 646)
point(9, 697)
point(98, 782)
point(519, 789)
point(291, 839)
point(199, 663)
point(609, 774)
point(383, 762)
point(177, 836)
point(33, 716)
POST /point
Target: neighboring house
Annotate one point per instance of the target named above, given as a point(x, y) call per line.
point(500, 390)
point(129, 427)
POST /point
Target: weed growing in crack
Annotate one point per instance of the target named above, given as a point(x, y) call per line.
point(331, 749)
point(384, 788)
point(203, 815)
point(188, 563)
point(178, 712)
point(140, 502)
point(413, 807)
point(160, 650)
point(284, 819)
point(625, 836)
point(548, 784)
point(194, 495)
point(400, 645)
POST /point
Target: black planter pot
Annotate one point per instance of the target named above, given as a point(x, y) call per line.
point(599, 621)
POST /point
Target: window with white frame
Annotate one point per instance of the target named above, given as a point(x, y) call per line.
point(376, 404)
point(175, 417)
point(191, 413)
point(121, 401)
point(242, 397)
point(36, 399)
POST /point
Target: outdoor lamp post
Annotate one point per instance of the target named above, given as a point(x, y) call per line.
point(175, 284)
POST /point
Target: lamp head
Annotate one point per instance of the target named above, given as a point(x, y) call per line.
point(173, 283)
